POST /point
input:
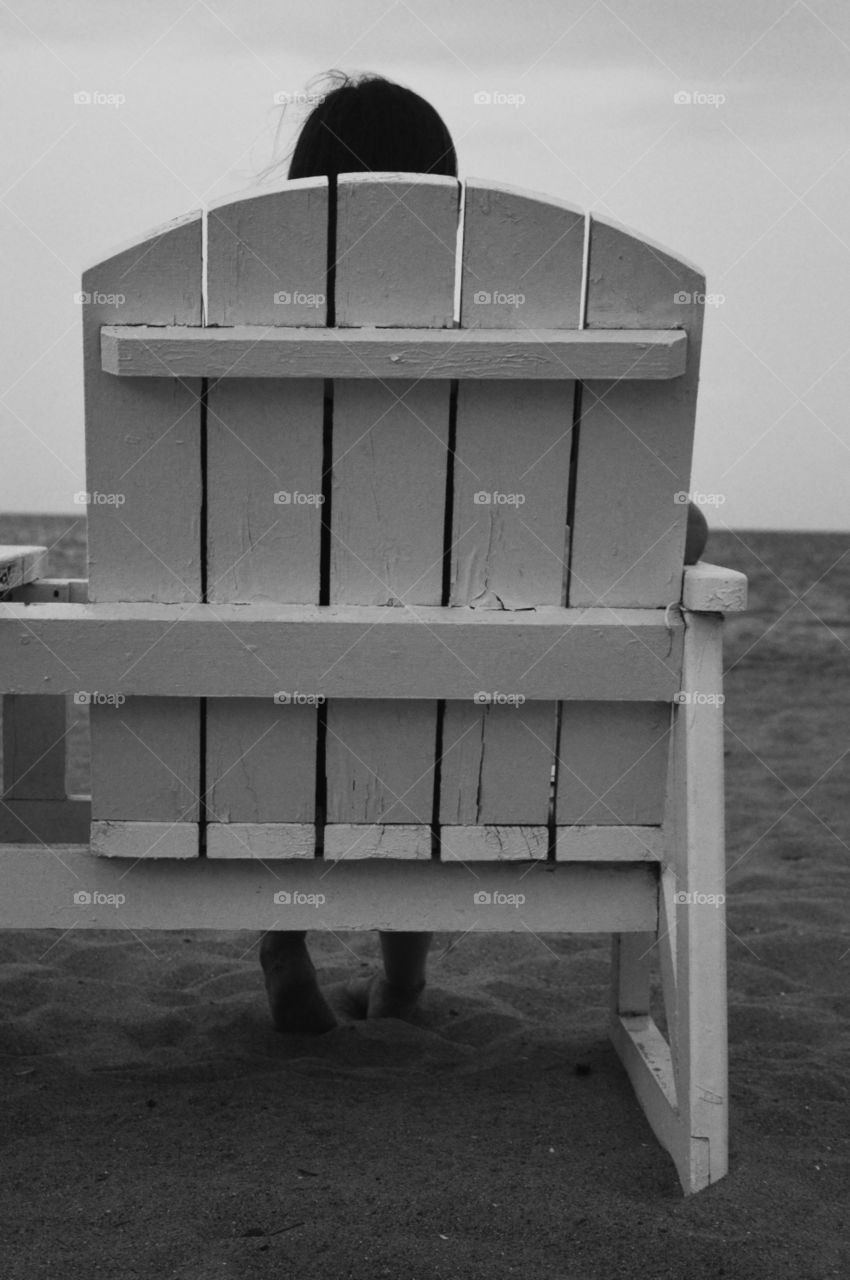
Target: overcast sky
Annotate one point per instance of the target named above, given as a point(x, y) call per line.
point(749, 180)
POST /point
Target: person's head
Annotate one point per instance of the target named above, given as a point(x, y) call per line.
point(367, 123)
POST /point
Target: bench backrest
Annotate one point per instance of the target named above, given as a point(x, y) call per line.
point(507, 493)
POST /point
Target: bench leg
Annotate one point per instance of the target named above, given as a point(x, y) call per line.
point(682, 1082)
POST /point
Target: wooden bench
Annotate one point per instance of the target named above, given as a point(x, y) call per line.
point(386, 623)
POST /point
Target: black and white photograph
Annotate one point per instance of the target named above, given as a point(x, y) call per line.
point(424, 638)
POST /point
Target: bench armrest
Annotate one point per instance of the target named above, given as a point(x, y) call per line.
point(709, 588)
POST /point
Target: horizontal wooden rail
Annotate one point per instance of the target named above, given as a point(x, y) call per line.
point(259, 351)
point(352, 651)
point(66, 887)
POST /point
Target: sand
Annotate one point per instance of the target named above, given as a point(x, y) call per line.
point(157, 1126)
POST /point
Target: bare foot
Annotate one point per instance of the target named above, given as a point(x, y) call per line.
point(377, 998)
point(295, 1000)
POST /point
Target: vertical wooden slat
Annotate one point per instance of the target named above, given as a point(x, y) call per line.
point(521, 269)
point(395, 254)
point(143, 476)
point(267, 263)
point(395, 250)
point(632, 469)
point(612, 763)
point(636, 437)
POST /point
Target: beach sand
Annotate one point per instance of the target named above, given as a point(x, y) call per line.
point(157, 1126)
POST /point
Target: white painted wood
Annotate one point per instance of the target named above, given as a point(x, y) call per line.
point(19, 565)
point(239, 651)
point(144, 761)
point(646, 1056)
point(266, 266)
point(142, 440)
point(522, 265)
point(612, 763)
point(694, 836)
point(608, 844)
point(395, 249)
point(708, 588)
point(494, 773)
point(256, 351)
point(261, 760)
point(111, 838)
point(264, 491)
point(379, 765)
point(143, 485)
point(267, 255)
point(491, 842)
point(520, 245)
point(395, 255)
point(405, 841)
point(208, 893)
point(389, 467)
point(262, 840)
point(34, 732)
point(45, 821)
point(511, 481)
point(635, 443)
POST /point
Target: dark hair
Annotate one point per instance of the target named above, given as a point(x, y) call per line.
point(367, 123)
